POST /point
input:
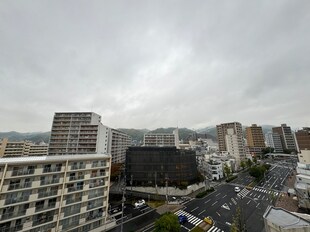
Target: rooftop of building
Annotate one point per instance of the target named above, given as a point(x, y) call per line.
point(284, 218)
point(39, 159)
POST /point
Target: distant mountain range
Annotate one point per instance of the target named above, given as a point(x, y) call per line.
point(136, 134)
point(35, 137)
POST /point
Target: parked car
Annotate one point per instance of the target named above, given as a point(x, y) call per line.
point(182, 219)
point(237, 189)
point(140, 203)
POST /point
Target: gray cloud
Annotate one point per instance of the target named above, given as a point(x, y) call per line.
point(148, 64)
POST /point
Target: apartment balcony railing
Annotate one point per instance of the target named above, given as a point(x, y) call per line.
point(22, 172)
point(12, 214)
point(75, 167)
point(19, 186)
point(92, 206)
point(52, 181)
point(72, 178)
point(42, 207)
point(97, 174)
point(73, 189)
point(16, 200)
point(96, 184)
point(74, 200)
point(52, 169)
point(47, 193)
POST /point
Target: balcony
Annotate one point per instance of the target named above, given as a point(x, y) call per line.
point(72, 178)
point(73, 189)
point(14, 200)
point(74, 200)
point(19, 186)
point(48, 193)
point(12, 215)
point(22, 172)
point(75, 167)
point(51, 181)
point(42, 207)
point(51, 169)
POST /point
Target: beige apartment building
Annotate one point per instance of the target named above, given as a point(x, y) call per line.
point(23, 148)
point(162, 139)
point(54, 193)
point(83, 132)
point(255, 139)
point(230, 139)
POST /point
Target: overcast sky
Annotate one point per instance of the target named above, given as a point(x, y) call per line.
point(149, 64)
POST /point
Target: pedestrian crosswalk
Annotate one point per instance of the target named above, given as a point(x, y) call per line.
point(191, 218)
point(243, 193)
point(215, 229)
point(265, 191)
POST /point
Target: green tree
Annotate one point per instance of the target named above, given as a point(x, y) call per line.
point(227, 170)
point(242, 164)
point(168, 222)
point(257, 172)
point(249, 163)
point(267, 150)
point(255, 160)
point(238, 224)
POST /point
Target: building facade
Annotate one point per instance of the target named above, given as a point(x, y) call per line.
point(150, 166)
point(302, 184)
point(162, 139)
point(303, 139)
point(274, 140)
point(54, 193)
point(83, 133)
point(119, 145)
point(286, 136)
point(78, 133)
point(255, 139)
point(230, 139)
point(23, 148)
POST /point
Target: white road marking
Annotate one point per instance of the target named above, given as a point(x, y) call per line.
point(202, 212)
point(207, 201)
point(213, 203)
point(194, 209)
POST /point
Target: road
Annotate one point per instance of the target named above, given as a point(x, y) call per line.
point(222, 204)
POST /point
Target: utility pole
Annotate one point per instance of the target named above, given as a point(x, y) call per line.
point(167, 191)
point(123, 199)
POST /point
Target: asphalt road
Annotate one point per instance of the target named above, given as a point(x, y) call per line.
point(222, 204)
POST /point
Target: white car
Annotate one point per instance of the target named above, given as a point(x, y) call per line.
point(140, 203)
point(237, 189)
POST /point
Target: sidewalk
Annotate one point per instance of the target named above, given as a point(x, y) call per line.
point(168, 208)
point(285, 201)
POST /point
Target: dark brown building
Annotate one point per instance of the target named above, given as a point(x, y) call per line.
point(303, 138)
point(150, 166)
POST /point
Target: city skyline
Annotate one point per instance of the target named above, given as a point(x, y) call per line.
point(155, 64)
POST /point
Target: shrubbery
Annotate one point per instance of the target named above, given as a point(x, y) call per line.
point(205, 193)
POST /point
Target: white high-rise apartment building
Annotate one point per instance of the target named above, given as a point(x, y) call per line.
point(233, 146)
point(78, 133)
point(274, 140)
point(162, 139)
point(230, 138)
point(54, 193)
point(83, 132)
point(119, 144)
